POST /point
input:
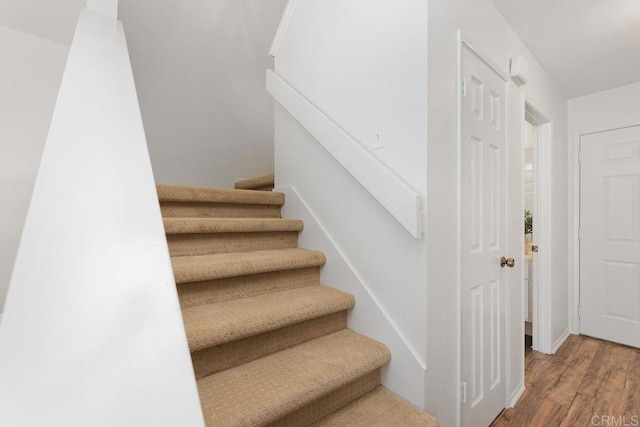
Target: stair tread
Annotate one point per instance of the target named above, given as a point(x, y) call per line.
point(185, 193)
point(215, 324)
point(378, 408)
point(256, 182)
point(266, 389)
point(217, 266)
point(229, 225)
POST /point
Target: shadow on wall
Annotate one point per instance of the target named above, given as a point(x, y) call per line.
point(199, 72)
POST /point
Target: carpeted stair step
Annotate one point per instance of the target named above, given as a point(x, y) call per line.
point(201, 236)
point(217, 266)
point(273, 387)
point(263, 183)
point(236, 287)
point(215, 324)
point(234, 353)
point(378, 408)
point(189, 202)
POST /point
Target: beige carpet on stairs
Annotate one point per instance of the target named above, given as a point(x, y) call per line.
point(263, 182)
point(269, 344)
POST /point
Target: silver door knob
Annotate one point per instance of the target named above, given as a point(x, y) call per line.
point(509, 262)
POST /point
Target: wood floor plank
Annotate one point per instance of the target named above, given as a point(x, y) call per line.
point(580, 412)
point(575, 369)
point(587, 377)
point(606, 377)
point(629, 404)
point(634, 366)
point(533, 410)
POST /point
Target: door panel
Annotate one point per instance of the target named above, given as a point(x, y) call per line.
point(483, 241)
point(609, 244)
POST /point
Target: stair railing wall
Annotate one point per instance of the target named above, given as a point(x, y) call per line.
point(350, 85)
point(384, 183)
point(92, 331)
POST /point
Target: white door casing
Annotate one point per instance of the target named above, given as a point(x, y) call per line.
point(483, 238)
point(610, 235)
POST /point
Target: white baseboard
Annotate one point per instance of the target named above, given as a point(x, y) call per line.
point(516, 395)
point(558, 343)
point(405, 375)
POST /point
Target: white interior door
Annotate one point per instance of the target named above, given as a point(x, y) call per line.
point(483, 229)
point(610, 235)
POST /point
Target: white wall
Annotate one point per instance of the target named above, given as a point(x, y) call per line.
point(605, 110)
point(610, 109)
point(481, 22)
point(51, 20)
point(30, 77)
point(364, 65)
point(199, 70)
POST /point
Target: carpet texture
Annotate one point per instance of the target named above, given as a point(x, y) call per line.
point(269, 344)
point(263, 183)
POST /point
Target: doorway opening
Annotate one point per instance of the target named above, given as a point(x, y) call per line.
point(529, 248)
point(536, 177)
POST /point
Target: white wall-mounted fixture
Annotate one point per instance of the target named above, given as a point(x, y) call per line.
point(519, 70)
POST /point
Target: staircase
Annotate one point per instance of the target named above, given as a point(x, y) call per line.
point(269, 344)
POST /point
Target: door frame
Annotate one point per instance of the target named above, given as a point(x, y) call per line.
point(542, 131)
point(574, 219)
point(512, 110)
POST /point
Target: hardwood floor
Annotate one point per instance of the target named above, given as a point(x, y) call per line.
point(588, 382)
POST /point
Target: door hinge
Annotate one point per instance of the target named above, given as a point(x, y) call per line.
point(464, 88)
point(580, 156)
point(580, 233)
point(579, 310)
point(463, 391)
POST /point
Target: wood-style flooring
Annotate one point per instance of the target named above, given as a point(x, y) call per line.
point(588, 382)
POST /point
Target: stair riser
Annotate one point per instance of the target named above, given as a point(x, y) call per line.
point(217, 210)
point(229, 355)
point(256, 183)
point(230, 288)
point(331, 402)
point(214, 243)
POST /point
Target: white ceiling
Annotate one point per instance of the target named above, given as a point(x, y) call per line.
point(585, 45)
point(50, 19)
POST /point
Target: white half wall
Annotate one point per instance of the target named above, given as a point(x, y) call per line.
point(482, 23)
point(601, 111)
point(30, 77)
point(199, 69)
point(92, 331)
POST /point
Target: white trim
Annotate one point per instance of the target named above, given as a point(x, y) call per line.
point(402, 201)
point(516, 395)
point(480, 54)
point(369, 317)
point(561, 339)
point(574, 237)
point(459, 80)
point(283, 27)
